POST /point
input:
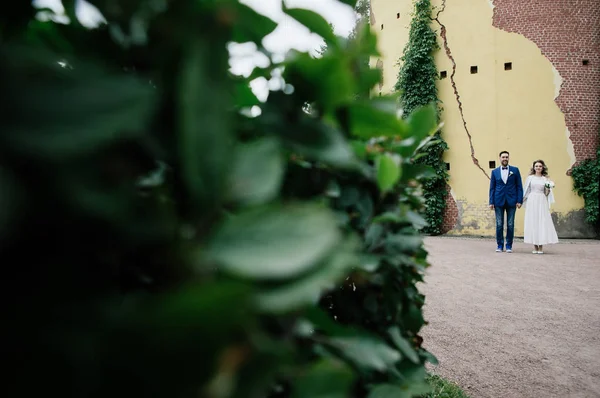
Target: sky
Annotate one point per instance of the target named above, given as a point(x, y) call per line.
point(288, 35)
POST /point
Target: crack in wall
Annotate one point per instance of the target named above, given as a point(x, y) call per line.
point(456, 94)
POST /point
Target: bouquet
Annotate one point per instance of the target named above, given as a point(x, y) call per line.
point(548, 186)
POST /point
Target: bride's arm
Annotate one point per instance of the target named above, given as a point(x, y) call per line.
point(549, 193)
point(527, 188)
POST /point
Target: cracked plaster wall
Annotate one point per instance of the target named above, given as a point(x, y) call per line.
point(567, 34)
point(501, 110)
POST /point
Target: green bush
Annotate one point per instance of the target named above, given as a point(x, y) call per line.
point(417, 87)
point(586, 183)
point(159, 242)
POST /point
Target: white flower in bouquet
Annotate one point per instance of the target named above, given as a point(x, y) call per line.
point(549, 184)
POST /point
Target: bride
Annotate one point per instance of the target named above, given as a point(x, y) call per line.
point(539, 228)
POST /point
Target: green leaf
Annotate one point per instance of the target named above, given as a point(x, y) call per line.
point(277, 242)
point(360, 149)
point(325, 379)
point(406, 244)
point(388, 391)
point(205, 124)
point(369, 262)
point(328, 79)
point(351, 3)
point(404, 345)
point(364, 45)
point(374, 235)
point(333, 189)
point(245, 97)
point(308, 290)
point(365, 207)
point(376, 118)
point(423, 122)
point(414, 379)
point(366, 352)
point(70, 11)
point(317, 141)
point(412, 171)
point(417, 221)
point(350, 195)
point(413, 384)
point(257, 172)
point(414, 317)
point(76, 111)
point(387, 217)
point(388, 172)
point(321, 322)
point(49, 34)
point(176, 322)
point(429, 357)
point(315, 23)
point(249, 25)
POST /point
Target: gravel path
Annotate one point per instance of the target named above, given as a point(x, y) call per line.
point(514, 325)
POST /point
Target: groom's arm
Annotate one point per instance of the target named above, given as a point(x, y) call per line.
point(519, 189)
point(492, 189)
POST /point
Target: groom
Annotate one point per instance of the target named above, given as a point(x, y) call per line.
point(506, 195)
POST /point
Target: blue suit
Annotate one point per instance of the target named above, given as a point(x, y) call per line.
point(504, 197)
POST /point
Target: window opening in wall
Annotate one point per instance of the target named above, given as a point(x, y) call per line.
point(508, 66)
point(492, 164)
point(473, 70)
point(443, 74)
point(381, 26)
point(447, 166)
point(398, 16)
point(585, 62)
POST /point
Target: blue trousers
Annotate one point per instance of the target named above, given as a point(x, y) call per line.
point(510, 225)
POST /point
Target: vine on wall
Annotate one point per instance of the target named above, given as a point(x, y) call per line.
point(586, 183)
point(417, 87)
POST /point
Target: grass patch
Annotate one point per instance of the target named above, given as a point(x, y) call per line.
point(443, 388)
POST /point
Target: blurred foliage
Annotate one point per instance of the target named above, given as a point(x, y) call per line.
point(417, 87)
point(362, 10)
point(159, 242)
point(586, 183)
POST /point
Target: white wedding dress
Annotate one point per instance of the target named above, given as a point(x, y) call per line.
point(539, 228)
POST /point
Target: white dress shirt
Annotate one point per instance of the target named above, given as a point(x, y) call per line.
point(504, 173)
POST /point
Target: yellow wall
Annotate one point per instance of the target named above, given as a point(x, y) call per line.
point(503, 110)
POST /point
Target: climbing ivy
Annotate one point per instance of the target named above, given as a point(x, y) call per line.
point(416, 85)
point(586, 183)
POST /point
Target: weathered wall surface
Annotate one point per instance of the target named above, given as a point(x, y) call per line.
point(501, 92)
point(568, 33)
point(391, 21)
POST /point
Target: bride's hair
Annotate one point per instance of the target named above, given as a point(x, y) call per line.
point(544, 168)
